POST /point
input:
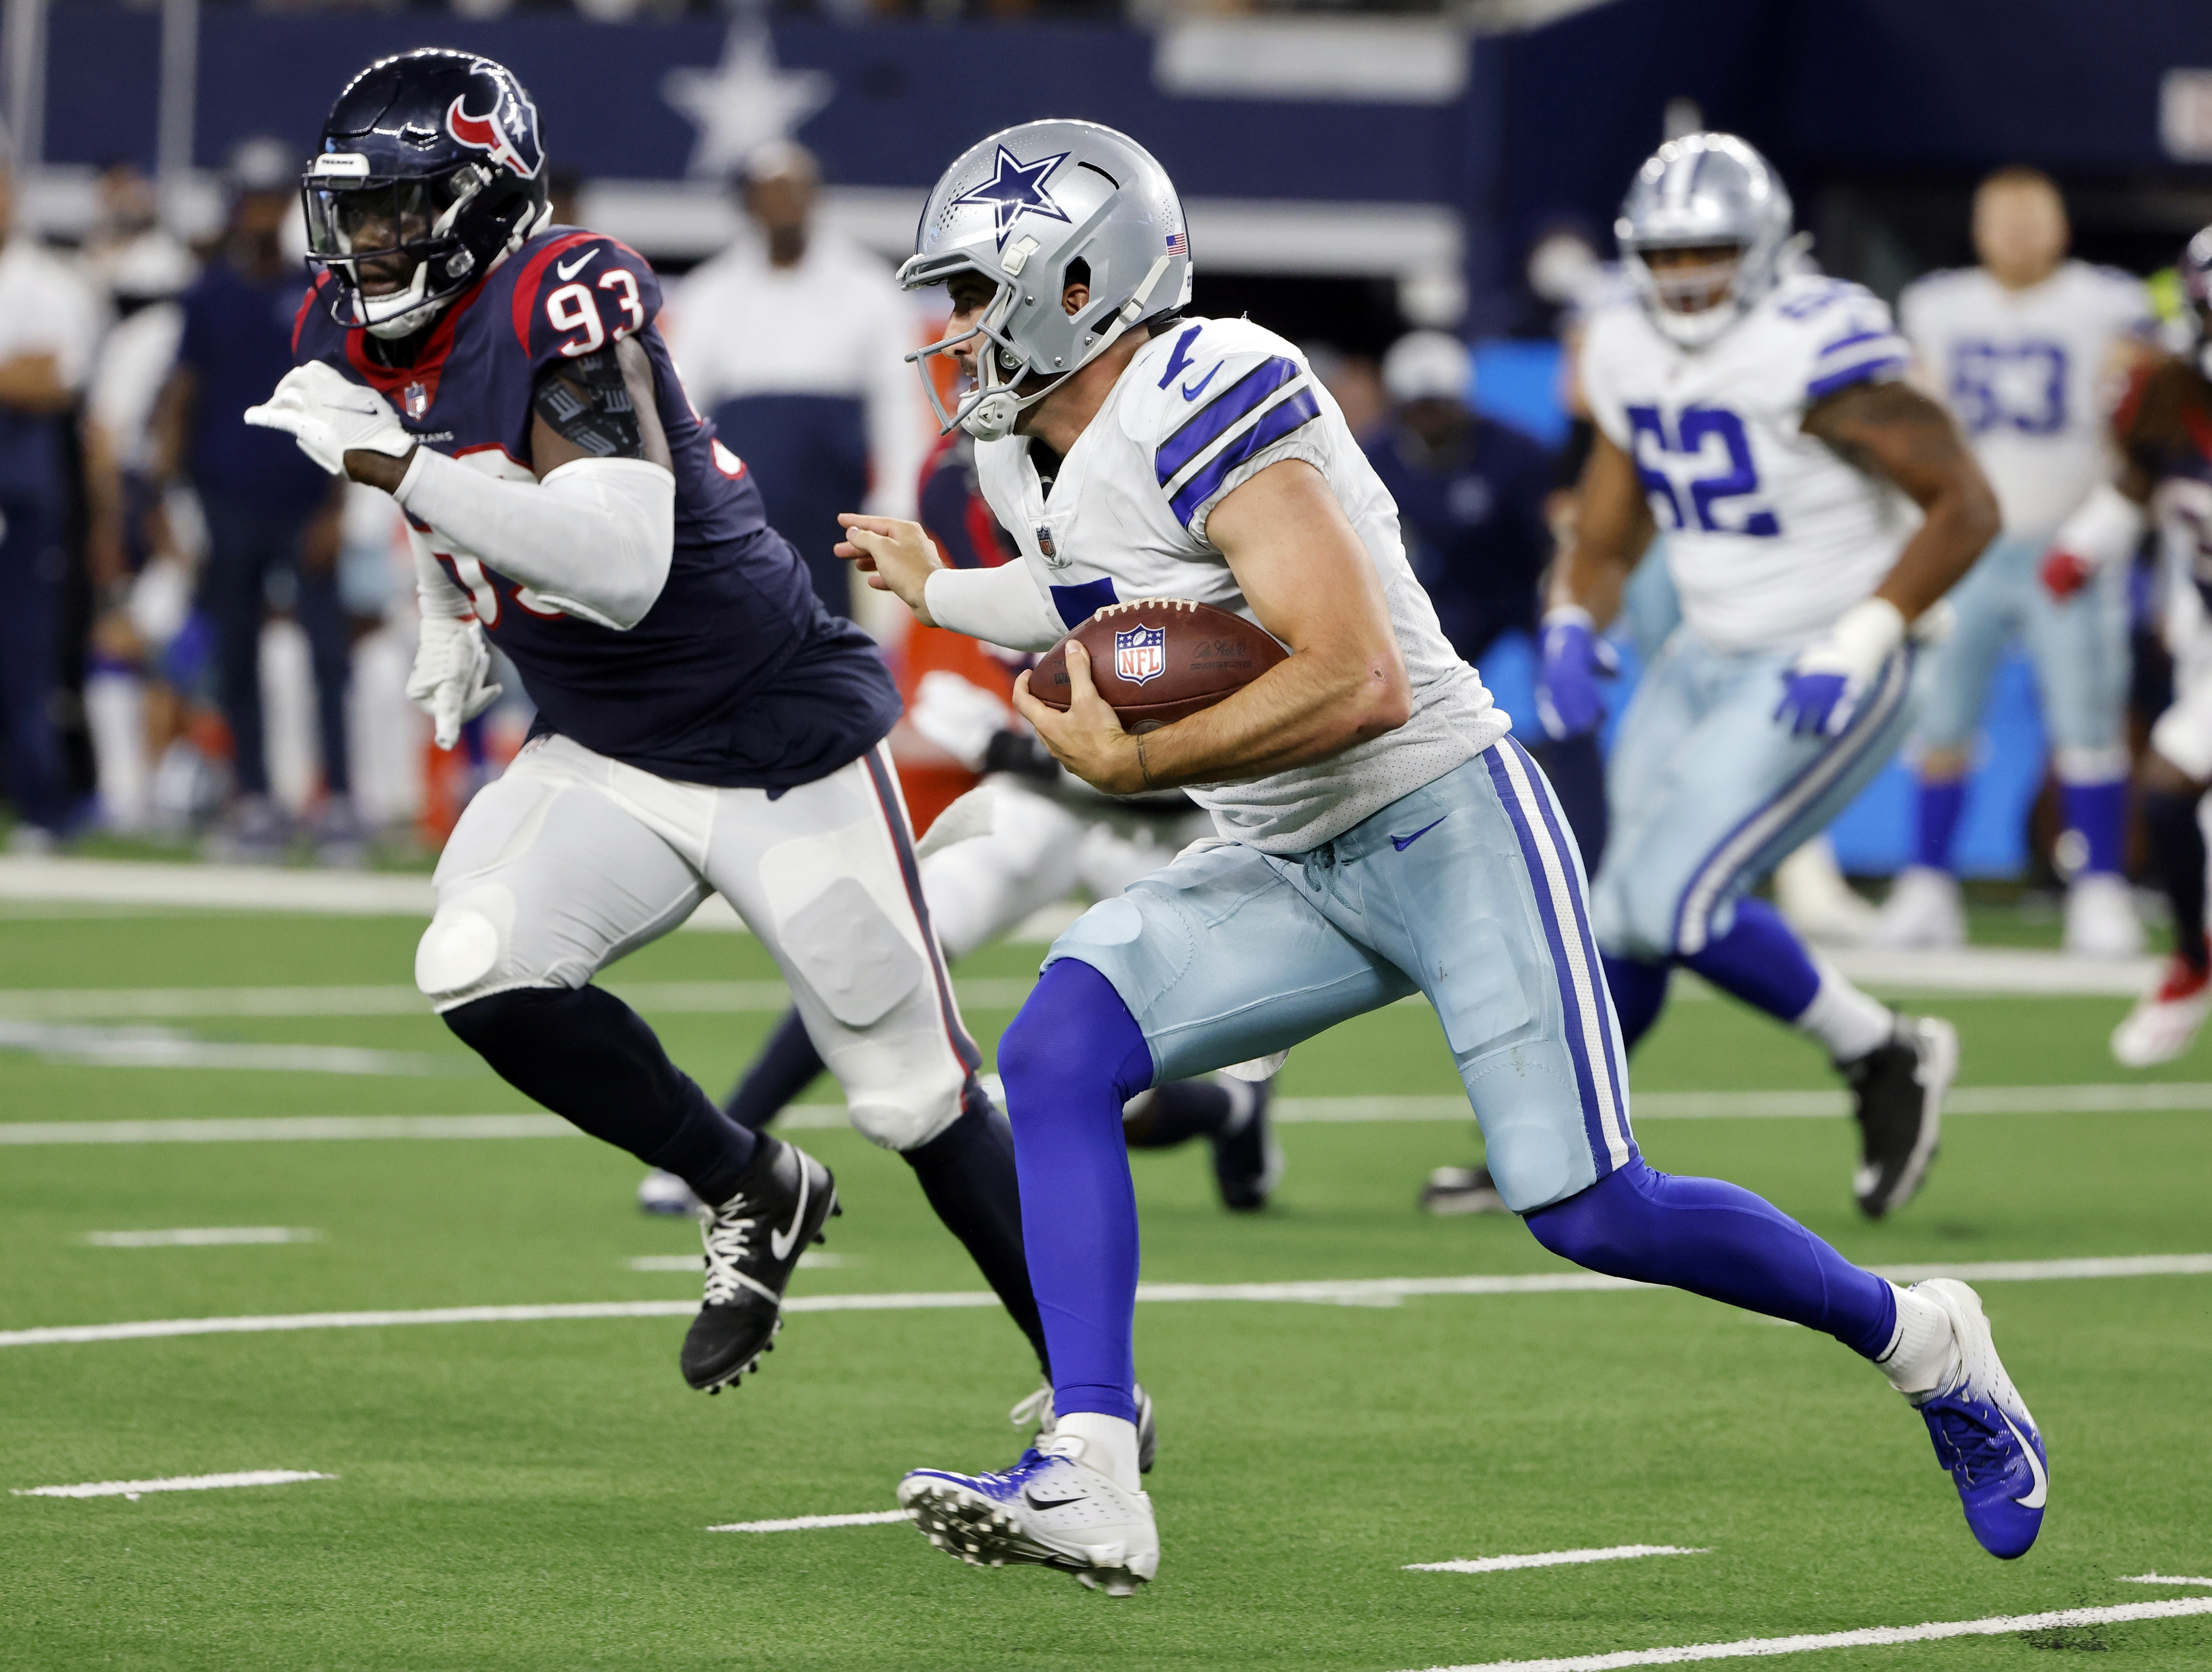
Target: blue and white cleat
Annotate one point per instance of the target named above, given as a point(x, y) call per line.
point(1982, 1433)
point(1050, 1509)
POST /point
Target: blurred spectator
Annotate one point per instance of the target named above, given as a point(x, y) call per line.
point(271, 513)
point(141, 579)
point(794, 342)
point(1354, 382)
point(127, 253)
point(49, 324)
point(1470, 496)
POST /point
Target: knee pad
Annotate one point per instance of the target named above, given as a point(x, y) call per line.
point(907, 1115)
point(465, 952)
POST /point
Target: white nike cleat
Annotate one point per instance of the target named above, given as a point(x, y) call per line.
point(2164, 1022)
point(665, 1193)
point(1051, 1510)
point(2100, 917)
point(1035, 1411)
point(1923, 911)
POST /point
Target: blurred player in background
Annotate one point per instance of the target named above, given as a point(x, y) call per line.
point(703, 725)
point(794, 342)
point(2025, 348)
point(269, 511)
point(2164, 429)
point(1029, 836)
point(49, 328)
point(1379, 833)
point(1760, 419)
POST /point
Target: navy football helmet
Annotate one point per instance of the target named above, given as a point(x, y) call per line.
point(430, 168)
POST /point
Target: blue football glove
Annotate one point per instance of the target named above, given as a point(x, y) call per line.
point(1821, 691)
point(1816, 700)
point(1568, 700)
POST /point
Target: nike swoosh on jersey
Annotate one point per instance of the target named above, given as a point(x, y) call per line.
point(1192, 392)
point(779, 1242)
point(2041, 1491)
point(1402, 843)
point(1037, 1503)
point(569, 269)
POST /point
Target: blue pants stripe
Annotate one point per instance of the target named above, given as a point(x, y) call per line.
point(1583, 998)
point(1710, 883)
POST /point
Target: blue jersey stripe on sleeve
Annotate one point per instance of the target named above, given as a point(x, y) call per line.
point(1852, 340)
point(1238, 400)
point(1280, 421)
point(1820, 387)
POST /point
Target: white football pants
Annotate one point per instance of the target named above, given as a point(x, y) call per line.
point(571, 859)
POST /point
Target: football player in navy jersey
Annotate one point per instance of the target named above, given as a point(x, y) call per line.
point(703, 725)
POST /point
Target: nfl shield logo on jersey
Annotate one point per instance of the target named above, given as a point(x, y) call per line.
point(1140, 654)
point(415, 399)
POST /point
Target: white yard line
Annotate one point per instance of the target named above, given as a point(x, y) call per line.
point(1350, 1292)
point(693, 1263)
point(1873, 1637)
point(1290, 1111)
point(164, 1048)
point(203, 1237)
point(2160, 1579)
point(134, 1489)
point(1617, 1553)
point(801, 1523)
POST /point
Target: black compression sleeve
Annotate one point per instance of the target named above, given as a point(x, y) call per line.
point(587, 403)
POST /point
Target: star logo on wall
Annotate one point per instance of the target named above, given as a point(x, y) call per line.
point(744, 102)
point(1016, 188)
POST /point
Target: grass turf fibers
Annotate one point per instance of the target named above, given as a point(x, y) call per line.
point(535, 1495)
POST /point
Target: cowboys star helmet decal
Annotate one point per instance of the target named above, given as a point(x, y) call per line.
point(1016, 188)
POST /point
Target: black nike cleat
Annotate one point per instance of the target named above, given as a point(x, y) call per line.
point(1247, 1162)
point(1462, 1190)
point(1898, 1087)
point(753, 1244)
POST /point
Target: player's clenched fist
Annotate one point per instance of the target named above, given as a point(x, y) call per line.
point(330, 415)
point(448, 681)
point(897, 557)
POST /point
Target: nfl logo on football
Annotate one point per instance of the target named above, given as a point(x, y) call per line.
point(1140, 654)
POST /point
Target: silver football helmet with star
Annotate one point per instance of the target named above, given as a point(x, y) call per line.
point(1021, 208)
point(1713, 192)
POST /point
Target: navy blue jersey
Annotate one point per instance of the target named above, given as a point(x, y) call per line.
point(737, 677)
point(1474, 526)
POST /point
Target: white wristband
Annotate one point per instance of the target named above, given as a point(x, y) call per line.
point(1570, 615)
point(1865, 634)
point(999, 606)
point(2105, 529)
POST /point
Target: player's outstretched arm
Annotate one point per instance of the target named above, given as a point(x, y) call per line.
point(1312, 584)
point(1893, 431)
point(1612, 528)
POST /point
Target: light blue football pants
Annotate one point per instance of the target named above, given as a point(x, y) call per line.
point(2079, 647)
point(1708, 792)
point(1469, 890)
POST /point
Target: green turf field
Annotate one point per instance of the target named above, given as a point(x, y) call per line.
point(535, 1495)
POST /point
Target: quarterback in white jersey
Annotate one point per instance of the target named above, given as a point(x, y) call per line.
point(1815, 509)
point(1381, 836)
point(2025, 348)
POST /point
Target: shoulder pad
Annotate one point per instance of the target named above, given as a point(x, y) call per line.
point(575, 292)
point(1224, 391)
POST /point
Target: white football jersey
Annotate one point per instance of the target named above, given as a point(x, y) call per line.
point(2029, 375)
point(1201, 409)
point(1770, 535)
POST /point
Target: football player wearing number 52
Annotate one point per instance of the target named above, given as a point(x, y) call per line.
point(1760, 417)
point(703, 725)
point(1380, 834)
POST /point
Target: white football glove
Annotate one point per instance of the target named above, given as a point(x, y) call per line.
point(447, 683)
point(330, 415)
point(958, 717)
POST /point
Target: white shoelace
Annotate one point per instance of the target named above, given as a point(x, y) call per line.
point(727, 1233)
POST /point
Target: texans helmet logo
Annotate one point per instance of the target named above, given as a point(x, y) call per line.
point(489, 133)
point(1140, 655)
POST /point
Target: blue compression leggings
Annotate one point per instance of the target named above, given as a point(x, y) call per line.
point(1075, 1055)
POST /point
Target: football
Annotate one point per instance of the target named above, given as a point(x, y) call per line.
point(1157, 659)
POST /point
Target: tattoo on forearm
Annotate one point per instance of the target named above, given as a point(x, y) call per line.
point(587, 405)
point(1144, 767)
